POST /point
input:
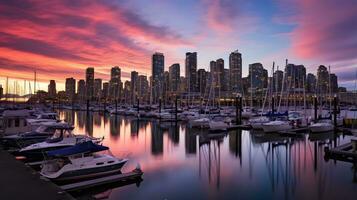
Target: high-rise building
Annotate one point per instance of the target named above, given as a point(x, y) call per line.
point(278, 80)
point(225, 81)
point(52, 89)
point(143, 88)
point(310, 83)
point(89, 83)
point(70, 88)
point(81, 89)
point(220, 73)
point(134, 84)
point(127, 92)
point(166, 86)
point(174, 76)
point(258, 76)
point(202, 81)
point(322, 80)
point(98, 88)
point(334, 83)
point(235, 71)
point(115, 83)
point(191, 71)
point(158, 63)
point(295, 76)
point(105, 91)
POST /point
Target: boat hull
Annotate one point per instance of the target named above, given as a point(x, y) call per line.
point(81, 174)
point(275, 128)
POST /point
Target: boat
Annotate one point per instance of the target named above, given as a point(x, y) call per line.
point(80, 162)
point(14, 122)
point(275, 126)
point(62, 138)
point(322, 126)
point(257, 122)
point(44, 131)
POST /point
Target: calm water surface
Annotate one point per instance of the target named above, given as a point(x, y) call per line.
point(183, 163)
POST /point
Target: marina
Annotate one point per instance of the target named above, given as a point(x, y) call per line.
point(236, 157)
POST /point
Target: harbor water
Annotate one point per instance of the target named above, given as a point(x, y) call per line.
point(184, 163)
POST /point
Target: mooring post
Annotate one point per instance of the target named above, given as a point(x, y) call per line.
point(138, 101)
point(237, 112)
point(87, 105)
point(272, 104)
point(176, 108)
point(160, 105)
point(335, 111)
point(116, 106)
point(315, 108)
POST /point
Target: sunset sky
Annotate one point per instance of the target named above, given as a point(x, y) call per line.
point(61, 38)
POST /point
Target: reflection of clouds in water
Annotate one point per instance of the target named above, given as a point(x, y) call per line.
point(250, 164)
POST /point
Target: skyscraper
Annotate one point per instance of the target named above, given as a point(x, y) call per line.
point(166, 86)
point(322, 80)
point(278, 80)
point(258, 76)
point(310, 83)
point(52, 89)
point(295, 76)
point(158, 63)
point(70, 88)
point(235, 71)
point(114, 83)
point(334, 83)
point(89, 83)
point(127, 92)
point(191, 71)
point(133, 86)
point(105, 91)
point(81, 89)
point(143, 88)
point(174, 76)
point(97, 88)
point(220, 73)
point(225, 81)
point(202, 81)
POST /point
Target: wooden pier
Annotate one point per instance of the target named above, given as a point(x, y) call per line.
point(346, 152)
point(130, 176)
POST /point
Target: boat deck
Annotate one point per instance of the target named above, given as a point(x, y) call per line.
point(343, 152)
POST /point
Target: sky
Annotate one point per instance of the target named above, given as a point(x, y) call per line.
point(61, 38)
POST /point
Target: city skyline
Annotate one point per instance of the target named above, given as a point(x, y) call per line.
point(61, 38)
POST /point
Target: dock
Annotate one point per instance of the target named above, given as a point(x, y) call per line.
point(343, 152)
point(19, 181)
point(242, 127)
point(135, 175)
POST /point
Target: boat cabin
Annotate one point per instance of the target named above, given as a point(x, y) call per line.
point(14, 122)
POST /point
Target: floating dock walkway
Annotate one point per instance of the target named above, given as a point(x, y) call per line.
point(125, 177)
point(346, 152)
point(18, 181)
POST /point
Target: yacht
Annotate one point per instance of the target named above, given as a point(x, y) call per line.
point(44, 131)
point(62, 138)
point(321, 126)
point(14, 122)
point(257, 123)
point(80, 162)
point(200, 123)
point(275, 126)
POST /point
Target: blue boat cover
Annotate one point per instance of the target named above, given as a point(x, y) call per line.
point(85, 147)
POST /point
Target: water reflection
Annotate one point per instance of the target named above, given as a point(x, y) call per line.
point(239, 164)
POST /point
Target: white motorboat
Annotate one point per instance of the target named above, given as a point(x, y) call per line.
point(323, 126)
point(79, 162)
point(275, 126)
point(62, 138)
point(14, 122)
point(257, 122)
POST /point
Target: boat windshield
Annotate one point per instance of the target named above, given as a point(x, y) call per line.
point(62, 133)
point(41, 129)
